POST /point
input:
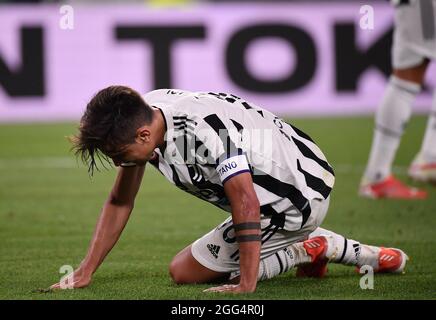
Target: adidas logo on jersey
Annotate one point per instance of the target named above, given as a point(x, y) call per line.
point(214, 249)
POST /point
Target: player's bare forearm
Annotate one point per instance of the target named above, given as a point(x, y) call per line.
point(113, 218)
point(248, 237)
point(110, 225)
point(246, 223)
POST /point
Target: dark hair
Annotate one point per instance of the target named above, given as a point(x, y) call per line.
point(109, 123)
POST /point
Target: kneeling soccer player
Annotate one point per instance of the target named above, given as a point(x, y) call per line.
point(271, 177)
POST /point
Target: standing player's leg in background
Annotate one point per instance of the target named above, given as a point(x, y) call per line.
point(414, 44)
point(390, 121)
point(423, 168)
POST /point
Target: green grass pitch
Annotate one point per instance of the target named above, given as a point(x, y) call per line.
point(49, 206)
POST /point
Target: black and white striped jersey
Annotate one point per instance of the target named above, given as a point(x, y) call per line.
point(212, 137)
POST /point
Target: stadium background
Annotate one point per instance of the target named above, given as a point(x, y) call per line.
point(309, 61)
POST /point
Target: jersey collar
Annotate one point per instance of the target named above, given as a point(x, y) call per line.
point(169, 126)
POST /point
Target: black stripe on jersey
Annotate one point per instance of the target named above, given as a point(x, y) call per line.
point(187, 128)
point(181, 123)
point(270, 235)
point(309, 154)
point(176, 179)
point(300, 133)
point(216, 124)
point(224, 96)
point(183, 128)
point(237, 125)
point(277, 218)
point(284, 190)
point(183, 120)
point(206, 157)
point(315, 183)
point(248, 107)
point(267, 210)
point(240, 128)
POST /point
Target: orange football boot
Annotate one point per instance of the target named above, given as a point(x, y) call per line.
point(391, 188)
point(316, 248)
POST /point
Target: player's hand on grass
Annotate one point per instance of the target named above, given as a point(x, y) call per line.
point(78, 279)
point(231, 288)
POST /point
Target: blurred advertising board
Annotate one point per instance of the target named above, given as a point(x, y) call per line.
point(313, 59)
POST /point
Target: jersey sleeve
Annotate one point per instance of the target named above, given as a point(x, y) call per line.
point(217, 144)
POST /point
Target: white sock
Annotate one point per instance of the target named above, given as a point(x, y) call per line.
point(369, 256)
point(280, 262)
point(390, 121)
point(347, 251)
point(344, 251)
point(428, 148)
point(340, 250)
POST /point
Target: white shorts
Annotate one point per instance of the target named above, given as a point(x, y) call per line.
point(414, 34)
point(218, 249)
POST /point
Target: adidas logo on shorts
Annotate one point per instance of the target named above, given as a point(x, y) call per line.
point(214, 249)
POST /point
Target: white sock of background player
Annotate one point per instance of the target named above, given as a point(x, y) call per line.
point(390, 121)
point(428, 148)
